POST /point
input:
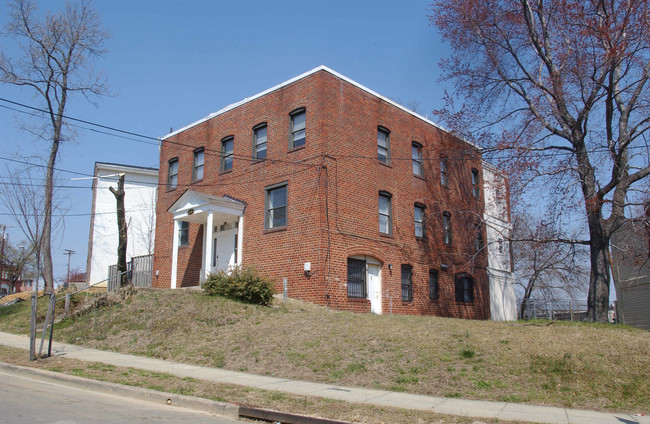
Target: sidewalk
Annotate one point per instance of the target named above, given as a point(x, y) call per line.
point(459, 407)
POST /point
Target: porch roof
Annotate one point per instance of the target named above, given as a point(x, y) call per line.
point(192, 206)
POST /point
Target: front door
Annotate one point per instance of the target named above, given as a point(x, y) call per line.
point(224, 250)
point(374, 288)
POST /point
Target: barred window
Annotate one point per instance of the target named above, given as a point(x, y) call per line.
point(433, 284)
point(356, 278)
point(464, 288)
point(407, 283)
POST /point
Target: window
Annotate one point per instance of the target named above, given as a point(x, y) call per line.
point(418, 214)
point(407, 283)
point(464, 288)
point(226, 153)
point(184, 233)
point(356, 278)
point(197, 170)
point(416, 155)
point(479, 236)
point(172, 175)
point(276, 207)
point(433, 284)
point(385, 209)
point(383, 145)
point(298, 119)
point(475, 188)
point(446, 228)
point(444, 172)
point(259, 142)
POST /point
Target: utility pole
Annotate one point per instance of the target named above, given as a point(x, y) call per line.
point(2, 256)
point(69, 253)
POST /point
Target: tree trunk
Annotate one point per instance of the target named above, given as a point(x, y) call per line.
point(121, 225)
point(598, 300)
point(48, 274)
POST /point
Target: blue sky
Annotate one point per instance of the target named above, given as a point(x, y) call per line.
point(171, 63)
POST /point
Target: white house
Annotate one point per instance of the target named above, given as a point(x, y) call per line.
point(141, 191)
point(503, 299)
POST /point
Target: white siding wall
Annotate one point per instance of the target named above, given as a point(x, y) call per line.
point(140, 189)
point(503, 300)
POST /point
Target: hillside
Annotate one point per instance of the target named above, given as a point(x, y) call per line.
point(601, 367)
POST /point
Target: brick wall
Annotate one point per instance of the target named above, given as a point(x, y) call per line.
point(333, 188)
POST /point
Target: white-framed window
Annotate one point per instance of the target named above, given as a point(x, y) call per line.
point(227, 145)
point(276, 206)
point(298, 128)
point(385, 213)
point(197, 169)
point(444, 172)
point(475, 183)
point(383, 145)
point(172, 173)
point(259, 141)
point(418, 217)
point(416, 155)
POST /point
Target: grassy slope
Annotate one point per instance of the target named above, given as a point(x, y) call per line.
point(576, 365)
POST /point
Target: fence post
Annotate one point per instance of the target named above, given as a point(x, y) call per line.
point(32, 330)
point(284, 289)
point(53, 304)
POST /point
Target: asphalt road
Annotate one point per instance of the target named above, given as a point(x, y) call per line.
point(26, 400)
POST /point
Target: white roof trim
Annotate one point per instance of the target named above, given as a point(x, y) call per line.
point(131, 169)
point(299, 77)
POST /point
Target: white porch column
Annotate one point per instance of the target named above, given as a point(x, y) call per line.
point(207, 257)
point(240, 238)
point(175, 252)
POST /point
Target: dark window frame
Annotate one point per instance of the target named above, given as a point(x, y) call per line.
point(479, 236)
point(386, 132)
point(446, 228)
point(198, 153)
point(475, 184)
point(172, 177)
point(184, 234)
point(293, 131)
point(256, 150)
point(423, 227)
point(389, 213)
point(225, 156)
point(268, 225)
point(464, 288)
point(407, 283)
point(434, 284)
point(444, 172)
point(357, 284)
point(416, 148)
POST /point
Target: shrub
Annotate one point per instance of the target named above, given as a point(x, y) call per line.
point(240, 283)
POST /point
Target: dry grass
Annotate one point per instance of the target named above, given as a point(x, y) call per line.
point(600, 367)
point(279, 401)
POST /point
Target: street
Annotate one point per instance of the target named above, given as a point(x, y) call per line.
point(27, 400)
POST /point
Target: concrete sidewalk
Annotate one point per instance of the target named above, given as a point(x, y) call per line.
point(460, 407)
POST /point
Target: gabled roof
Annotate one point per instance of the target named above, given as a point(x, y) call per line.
point(191, 199)
point(298, 78)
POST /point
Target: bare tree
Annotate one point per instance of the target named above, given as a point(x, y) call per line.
point(121, 227)
point(546, 269)
point(24, 203)
point(559, 88)
point(55, 59)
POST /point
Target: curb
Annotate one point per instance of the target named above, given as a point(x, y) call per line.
point(223, 409)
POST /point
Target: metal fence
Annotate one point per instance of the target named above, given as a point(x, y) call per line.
point(555, 310)
point(139, 272)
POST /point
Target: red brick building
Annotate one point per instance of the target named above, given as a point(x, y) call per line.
point(358, 202)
